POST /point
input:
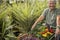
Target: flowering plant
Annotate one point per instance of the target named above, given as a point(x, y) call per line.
point(45, 32)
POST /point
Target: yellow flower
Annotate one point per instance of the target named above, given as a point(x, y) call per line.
point(49, 33)
point(44, 35)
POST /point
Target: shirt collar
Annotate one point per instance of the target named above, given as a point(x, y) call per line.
point(52, 10)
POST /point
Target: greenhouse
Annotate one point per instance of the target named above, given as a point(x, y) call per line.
point(20, 20)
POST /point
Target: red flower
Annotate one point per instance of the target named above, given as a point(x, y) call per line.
point(51, 30)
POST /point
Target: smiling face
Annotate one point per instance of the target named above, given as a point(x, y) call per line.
point(52, 4)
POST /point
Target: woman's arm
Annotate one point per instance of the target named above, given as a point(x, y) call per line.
point(58, 25)
point(38, 20)
point(58, 20)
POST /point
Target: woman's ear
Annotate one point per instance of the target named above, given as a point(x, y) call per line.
point(58, 20)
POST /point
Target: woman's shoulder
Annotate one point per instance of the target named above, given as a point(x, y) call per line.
point(58, 11)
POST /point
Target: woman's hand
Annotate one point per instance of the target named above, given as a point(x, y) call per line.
point(57, 31)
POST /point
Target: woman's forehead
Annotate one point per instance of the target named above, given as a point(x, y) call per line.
point(52, 2)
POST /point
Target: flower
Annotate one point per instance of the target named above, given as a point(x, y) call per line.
point(44, 35)
point(51, 30)
point(49, 33)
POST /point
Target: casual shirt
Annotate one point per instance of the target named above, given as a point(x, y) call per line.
point(50, 16)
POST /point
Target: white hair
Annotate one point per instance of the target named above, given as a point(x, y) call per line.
point(53, 1)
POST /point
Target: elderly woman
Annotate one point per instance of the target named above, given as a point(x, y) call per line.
point(52, 17)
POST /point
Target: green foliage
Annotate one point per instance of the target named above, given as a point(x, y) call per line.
point(20, 16)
